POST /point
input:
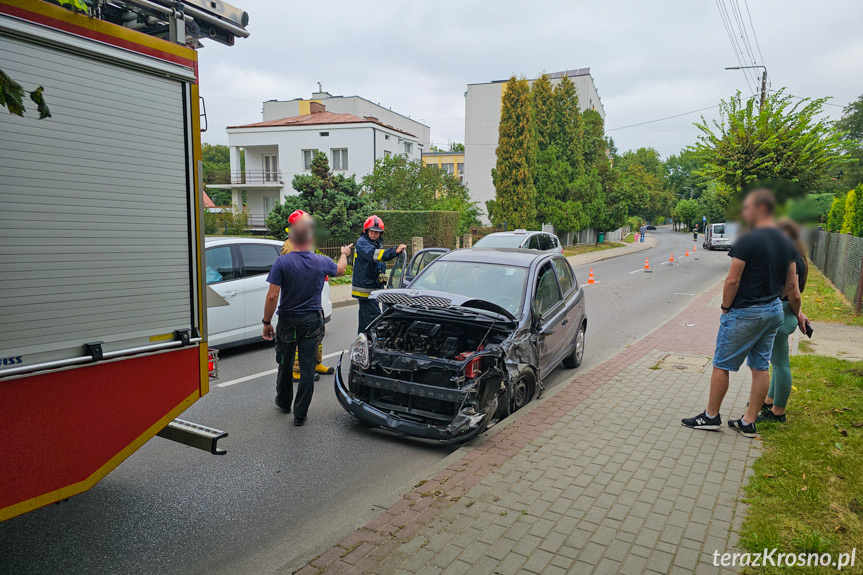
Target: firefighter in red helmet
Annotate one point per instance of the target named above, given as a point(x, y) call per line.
point(370, 269)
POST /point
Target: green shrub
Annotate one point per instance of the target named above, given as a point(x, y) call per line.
point(634, 223)
point(837, 212)
point(438, 229)
point(231, 222)
point(277, 219)
point(811, 208)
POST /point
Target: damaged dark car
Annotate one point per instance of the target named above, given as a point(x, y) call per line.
point(467, 342)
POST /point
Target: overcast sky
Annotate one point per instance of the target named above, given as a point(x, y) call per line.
point(649, 60)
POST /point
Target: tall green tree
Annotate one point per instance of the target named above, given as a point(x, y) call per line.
point(682, 175)
point(848, 176)
point(542, 108)
point(686, 212)
point(568, 135)
point(787, 139)
point(333, 200)
point(397, 183)
point(594, 137)
point(515, 194)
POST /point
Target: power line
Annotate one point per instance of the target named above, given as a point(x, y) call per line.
point(751, 25)
point(720, 5)
point(663, 119)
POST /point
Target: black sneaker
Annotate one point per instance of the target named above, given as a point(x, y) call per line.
point(299, 421)
point(748, 430)
point(767, 416)
point(703, 421)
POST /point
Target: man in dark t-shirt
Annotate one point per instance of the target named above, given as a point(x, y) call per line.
point(763, 269)
point(296, 280)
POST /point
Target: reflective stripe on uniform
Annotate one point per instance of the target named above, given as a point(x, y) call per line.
point(355, 293)
point(379, 255)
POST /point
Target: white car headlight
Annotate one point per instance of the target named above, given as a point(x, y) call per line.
point(360, 351)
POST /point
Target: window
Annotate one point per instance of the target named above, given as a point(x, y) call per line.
point(220, 265)
point(448, 168)
point(308, 156)
point(424, 259)
point(547, 292)
point(461, 168)
point(564, 274)
point(324, 134)
point(271, 168)
point(387, 153)
point(545, 242)
point(258, 258)
point(386, 136)
point(340, 158)
point(533, 243)
point(409, 148)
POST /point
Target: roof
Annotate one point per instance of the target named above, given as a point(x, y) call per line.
point(208, 202)
point(443, 154)
point(211, 241)
point(331, 97)
point(509, 256)
point(321, 119)
point(551, 76)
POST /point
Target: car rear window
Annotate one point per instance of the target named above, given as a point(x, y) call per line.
point(546, 242)
point(499, 241)
point(719, 229)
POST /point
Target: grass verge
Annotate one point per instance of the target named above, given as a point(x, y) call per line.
point(823, 302)
point(806, 493)
point(629, 239)
point(586, 248)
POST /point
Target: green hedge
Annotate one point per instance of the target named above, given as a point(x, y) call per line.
point(438, 229)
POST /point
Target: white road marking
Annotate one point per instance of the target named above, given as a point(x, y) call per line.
point(680, 293)
point(247, 378)
point(637, 271)
point(268, 372)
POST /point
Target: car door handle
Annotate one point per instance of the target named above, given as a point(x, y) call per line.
point(231, 293)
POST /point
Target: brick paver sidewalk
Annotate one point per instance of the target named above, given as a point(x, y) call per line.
point(599, 477)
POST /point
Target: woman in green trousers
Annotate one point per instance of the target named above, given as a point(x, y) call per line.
point(780, 378)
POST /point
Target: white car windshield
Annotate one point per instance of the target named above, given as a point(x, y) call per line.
point(499, 284)
point(499, 241)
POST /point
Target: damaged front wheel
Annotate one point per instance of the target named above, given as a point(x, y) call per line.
point(522, 392)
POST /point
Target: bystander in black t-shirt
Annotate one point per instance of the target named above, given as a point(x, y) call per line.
point(801, 277)
point(767, 253)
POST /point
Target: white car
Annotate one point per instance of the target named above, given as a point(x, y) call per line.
point(236, 269)
point(526, 240)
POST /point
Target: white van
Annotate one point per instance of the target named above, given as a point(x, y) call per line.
point(719, 236)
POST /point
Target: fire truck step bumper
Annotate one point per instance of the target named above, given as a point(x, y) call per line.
point(194, 435)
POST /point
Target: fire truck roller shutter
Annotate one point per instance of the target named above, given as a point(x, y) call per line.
point(95, 205)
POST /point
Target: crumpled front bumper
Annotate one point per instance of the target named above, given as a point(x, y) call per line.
point(461, 430)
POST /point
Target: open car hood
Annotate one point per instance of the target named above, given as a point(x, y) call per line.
point(436, 299)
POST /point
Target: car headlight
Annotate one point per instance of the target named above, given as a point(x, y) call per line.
point(360, 351)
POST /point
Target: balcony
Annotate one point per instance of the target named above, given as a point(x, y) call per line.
point(250, 178)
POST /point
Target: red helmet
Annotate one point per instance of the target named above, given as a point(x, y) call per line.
point(295, 216)
point(373, 224)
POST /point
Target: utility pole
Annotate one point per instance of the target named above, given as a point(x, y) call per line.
point(763, 81)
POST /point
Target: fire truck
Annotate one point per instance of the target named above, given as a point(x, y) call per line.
point(102, 294)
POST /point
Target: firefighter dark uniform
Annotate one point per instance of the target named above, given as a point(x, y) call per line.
point(369, 268)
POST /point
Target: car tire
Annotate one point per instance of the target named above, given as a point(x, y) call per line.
point(522, 391)
point(574, 359)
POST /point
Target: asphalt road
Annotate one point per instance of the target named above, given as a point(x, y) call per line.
point(283, 494)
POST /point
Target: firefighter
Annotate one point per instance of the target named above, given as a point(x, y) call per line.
point(287, 248)
point(296, 280)
point(370, 269)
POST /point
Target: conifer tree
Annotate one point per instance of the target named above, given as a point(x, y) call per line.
point(568, 132)
point(543, 106)
point(515, 195)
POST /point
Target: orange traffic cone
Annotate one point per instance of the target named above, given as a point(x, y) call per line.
point(672, 257)
point(590, 277)
point(687, 253)
point(647, 266)
point(693, 248)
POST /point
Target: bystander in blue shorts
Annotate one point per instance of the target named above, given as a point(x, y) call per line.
point(747, 333)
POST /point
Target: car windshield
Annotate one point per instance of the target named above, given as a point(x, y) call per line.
point(499, 241)
point(499, 284)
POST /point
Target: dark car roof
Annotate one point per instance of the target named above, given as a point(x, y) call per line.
point(509, 256)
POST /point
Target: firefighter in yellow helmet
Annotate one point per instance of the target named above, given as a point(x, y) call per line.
point(287, 248)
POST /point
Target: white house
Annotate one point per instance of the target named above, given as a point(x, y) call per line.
point(278, 149)
point(482, 118)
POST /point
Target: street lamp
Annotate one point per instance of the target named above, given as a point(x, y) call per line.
point(763, 80)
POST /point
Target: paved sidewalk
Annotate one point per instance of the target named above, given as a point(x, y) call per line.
point(340, 295)
point(599, 477)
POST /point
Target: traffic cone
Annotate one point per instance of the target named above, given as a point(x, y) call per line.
point(672, 257)
point(590, 277)
point(647, 266)
point(687, 253)
point(693, 248)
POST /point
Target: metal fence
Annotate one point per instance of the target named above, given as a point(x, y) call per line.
point(840, 258)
